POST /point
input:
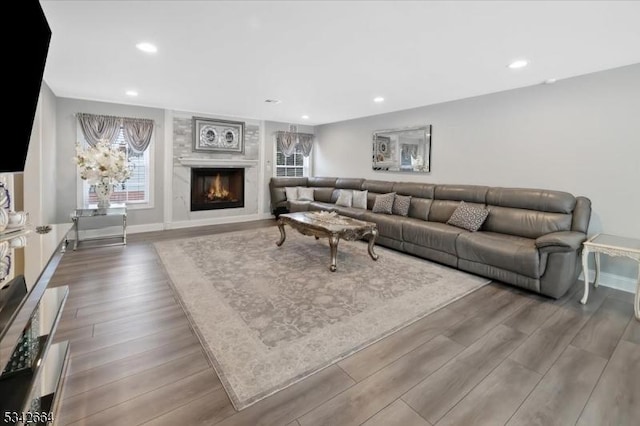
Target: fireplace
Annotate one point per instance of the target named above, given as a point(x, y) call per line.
point(217, 188)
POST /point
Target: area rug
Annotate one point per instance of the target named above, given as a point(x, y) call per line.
point(270, 316)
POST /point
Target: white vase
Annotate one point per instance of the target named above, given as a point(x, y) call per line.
point(4, 219)
point(103, 189)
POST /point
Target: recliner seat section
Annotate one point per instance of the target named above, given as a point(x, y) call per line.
point(532, 238)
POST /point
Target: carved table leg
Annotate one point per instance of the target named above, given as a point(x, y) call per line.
point(585, 272)
point(637, 304)
point(283, 235)
point(77, 232)
point(333, 243)
point(596, 280)
point(372, 241)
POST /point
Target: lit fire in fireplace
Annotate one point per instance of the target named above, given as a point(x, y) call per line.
point(217, 191)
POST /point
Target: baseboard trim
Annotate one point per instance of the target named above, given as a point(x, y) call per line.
point(612, 281)
point(116, 230)
point(217, 221)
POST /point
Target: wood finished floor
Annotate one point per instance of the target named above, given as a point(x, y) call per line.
point(499, 356)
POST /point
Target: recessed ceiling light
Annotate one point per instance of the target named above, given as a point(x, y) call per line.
point(378, 99)
point(550, 81)
point(131, 93)
point(518, 64)
point(305, 117)
point(147, 47)
point(272, 101)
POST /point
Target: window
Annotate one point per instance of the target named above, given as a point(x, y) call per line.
point(135, 191)
point(294, 165)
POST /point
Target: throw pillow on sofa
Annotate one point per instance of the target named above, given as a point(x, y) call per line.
point(401, 205)
point(305, 194)
point(468, 217)
point(291, 192)
point(384, 203)
point(359, 200)
point(344, 198)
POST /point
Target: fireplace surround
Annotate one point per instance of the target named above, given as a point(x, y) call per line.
point(217, 188)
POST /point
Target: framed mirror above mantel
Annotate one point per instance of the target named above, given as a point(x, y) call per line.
point(402, 150)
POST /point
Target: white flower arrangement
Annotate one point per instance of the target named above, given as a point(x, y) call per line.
point(102, 163)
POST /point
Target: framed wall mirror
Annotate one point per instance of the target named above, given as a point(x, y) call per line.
point(402, 150)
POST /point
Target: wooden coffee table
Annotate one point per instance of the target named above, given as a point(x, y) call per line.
point(332, 226)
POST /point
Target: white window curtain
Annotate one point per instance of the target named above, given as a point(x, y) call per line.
point(137, 133)
point(96, 128)
point(288, 142)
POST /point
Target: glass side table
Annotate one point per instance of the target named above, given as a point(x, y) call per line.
point(115, 210)
point(611, 245)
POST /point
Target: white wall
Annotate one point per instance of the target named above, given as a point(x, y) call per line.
point(580, 135)
point(39, 177)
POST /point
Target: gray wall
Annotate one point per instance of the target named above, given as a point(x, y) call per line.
point(66, 169)
point(580, 135)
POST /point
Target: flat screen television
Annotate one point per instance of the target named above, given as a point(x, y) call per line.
point(24, 61)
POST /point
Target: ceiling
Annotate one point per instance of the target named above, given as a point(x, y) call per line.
point(326, 59)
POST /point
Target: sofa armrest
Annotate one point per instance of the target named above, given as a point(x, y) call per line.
point(563, 241)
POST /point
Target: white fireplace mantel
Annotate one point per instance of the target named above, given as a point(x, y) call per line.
point(216, 162)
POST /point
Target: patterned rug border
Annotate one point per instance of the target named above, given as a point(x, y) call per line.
point(238, 405)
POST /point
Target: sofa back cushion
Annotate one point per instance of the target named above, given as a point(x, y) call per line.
point(281, 182)
point(322, 182)
point(528, 212)
point(419, 208)
point(322, 194)
point(532, 199)
point(378, 186)
point(525, 223)
point(349, 183)
point(414, 189)
point(448, 197)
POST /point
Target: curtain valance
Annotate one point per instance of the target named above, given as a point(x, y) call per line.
point(96, 128)
point(289, 141)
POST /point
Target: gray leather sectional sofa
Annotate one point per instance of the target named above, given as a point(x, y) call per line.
point(532, 238)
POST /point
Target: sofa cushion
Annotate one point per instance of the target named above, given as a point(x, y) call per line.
point(401, 204)
point(298, 206)
point(322, 182)
point(379, 186)
point(512, 253)
point(291, 193)
point(305, 193)
point(419, 208)
point(388, 226)
point(468, 193)
point(433, 235)
point(422, 190)
point(283, 181)
point(351, 212)
point(525, 223)
point(349, 183)
point(532, 199)
point(469, 217)
point(321, 206)
point(359, 200)
point(344, 199)
point(384, 203)
point(323, 194)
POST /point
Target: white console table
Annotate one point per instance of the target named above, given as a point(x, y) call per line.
point(611, 245)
